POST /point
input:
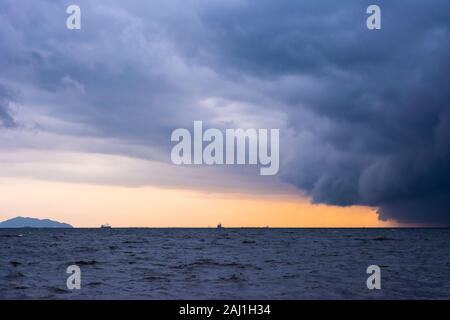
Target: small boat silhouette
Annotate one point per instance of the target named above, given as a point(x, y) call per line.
point(219, 226)
point(105, 226)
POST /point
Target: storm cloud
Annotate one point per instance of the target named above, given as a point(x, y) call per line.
point(377, 103)
point(364, 115)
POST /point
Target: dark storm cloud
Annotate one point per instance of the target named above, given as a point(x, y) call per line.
point(122, 77)
point(382, 107)
point(367, 113)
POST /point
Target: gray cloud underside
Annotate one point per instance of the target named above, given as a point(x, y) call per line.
point(364, 115)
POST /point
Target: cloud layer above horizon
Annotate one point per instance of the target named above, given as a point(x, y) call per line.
point(364, 116)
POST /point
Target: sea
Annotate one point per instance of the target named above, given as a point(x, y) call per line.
point(253, 263)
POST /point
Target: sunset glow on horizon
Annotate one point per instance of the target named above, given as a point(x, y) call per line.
point(92, 205)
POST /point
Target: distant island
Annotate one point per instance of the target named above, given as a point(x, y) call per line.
point(23, 222)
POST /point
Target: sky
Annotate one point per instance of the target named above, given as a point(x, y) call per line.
point(364, 115)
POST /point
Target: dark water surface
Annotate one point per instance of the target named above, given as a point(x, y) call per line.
point(224, 264)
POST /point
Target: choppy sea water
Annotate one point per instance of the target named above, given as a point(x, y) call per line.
point(224, 263)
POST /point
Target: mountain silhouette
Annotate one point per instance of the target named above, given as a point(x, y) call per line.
point(24, 222)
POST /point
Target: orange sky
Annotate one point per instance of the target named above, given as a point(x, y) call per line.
point(85, 205)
